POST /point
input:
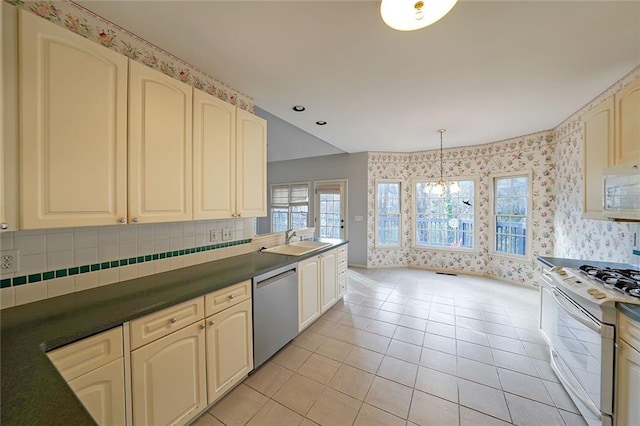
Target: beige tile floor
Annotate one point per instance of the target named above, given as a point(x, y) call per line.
point(409, 347)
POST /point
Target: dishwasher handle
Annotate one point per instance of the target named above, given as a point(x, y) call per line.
point(275, 278)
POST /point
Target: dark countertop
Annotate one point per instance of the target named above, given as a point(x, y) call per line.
point(31, 389)
point(632, 311)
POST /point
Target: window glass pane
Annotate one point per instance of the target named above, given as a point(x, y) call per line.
point(511, 208)
point(279, 219)
point(445, 220)
point(388, 213)
point(299, 216)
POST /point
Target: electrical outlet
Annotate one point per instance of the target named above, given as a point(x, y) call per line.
point(9, 261)
point(227, 234)
point(213, 236)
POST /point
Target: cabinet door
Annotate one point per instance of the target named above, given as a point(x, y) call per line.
point(160, 147)
point(214, 157)
point(251, 162)
point(627, 142)
point(628, 385)
point(168, 378)
point(101, 391)
point(73, 96)
point(229, 348)
point(308, 291)
point(597, 142)
point(329, 279)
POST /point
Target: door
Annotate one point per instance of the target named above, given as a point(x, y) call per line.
point(160, 147)
point(73, 154)
point(308, 291)
point(214, 157)
point(330, 209)
point(169, 378)
point(251, 164)
point(329, 278)
point(628, 387)
point(229, 348)
point(101, 391)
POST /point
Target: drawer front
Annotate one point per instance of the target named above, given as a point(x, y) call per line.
point(629, 330)
point(151, 327)
point(342, 251)
point(342, 263)
point(342, 285)
point(88, 354)
point(222, 299)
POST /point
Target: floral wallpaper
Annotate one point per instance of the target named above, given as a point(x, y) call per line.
point(575, 237)
point(93, 27)
point(533, 153)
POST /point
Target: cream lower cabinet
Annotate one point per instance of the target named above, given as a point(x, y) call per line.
point(169, 378)
point(342, 270)
point(73, 125)
point(94, 370)
point(627, 395)
point(229, 348)
point(317, 287)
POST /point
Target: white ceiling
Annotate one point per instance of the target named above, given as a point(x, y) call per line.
point(487, 71)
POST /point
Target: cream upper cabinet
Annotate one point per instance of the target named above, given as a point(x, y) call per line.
point(169, 378)
point(160, 147)
point(251, 163)
point(597, 146)
point(627, 133)
point(229, 348)
point(214, 157)
point(329, 278)
point(73, 128)
point(308, 291)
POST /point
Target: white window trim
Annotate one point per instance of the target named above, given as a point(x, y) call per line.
point(271, 205)
point(375, 198)
point(476, 214)
point(492, 219)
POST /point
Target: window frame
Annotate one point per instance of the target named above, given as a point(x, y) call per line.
point(492, 226)
point(377, 244)
point(289, 204)
point(476, 214)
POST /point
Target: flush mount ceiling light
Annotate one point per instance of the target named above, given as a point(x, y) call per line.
point(409, 15)
point(440, 187)
point(298, 108)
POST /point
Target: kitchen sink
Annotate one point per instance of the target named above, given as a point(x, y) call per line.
point(297, 248)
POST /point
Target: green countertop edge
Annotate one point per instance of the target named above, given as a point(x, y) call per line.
point(32, 391)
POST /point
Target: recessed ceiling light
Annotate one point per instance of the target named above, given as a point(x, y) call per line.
point(321, 123)
point(298, 108)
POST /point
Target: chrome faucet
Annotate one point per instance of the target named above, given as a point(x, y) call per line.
point(288, 235)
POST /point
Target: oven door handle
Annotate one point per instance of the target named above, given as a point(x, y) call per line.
point(568, 384)
point(570, 310)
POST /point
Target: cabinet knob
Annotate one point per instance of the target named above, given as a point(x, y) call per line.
point(233, 215)
point(231, 296)
point(122, 220)
point(4, 226)
point(211, 322)
point(136, 220)
point(173, 320)
point(238, 215)
point(202, 326)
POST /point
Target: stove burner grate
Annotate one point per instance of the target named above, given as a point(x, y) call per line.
point(624, 280)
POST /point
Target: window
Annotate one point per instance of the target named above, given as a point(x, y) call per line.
point(447, 220)
point(289, 206)
point(387, 213)
point(511, 211)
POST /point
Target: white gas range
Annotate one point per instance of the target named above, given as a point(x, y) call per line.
point(578, 320)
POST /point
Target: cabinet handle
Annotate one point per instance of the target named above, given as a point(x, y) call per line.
point(173, 320)
point(238, 214)
point(4, 226)
point(211, 322)
point(231, 296)
point(122, 220)
point(202, 326)
point(136, 220)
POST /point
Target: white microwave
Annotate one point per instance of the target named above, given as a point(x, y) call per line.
point(622, 192)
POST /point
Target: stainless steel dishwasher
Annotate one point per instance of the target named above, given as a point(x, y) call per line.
point(275, 311)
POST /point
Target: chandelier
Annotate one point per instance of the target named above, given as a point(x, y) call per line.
point(409, 15)
point(440, 187)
